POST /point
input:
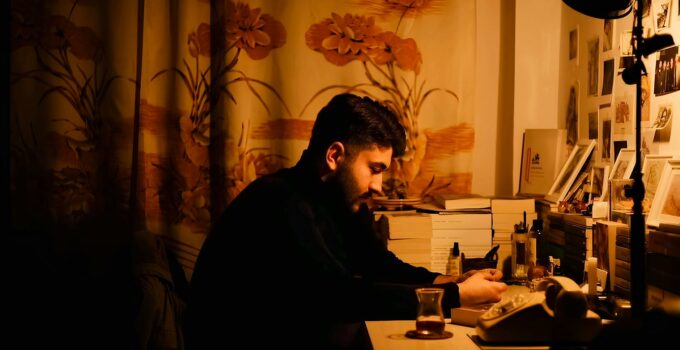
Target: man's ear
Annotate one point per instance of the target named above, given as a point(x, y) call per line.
point(335, 154)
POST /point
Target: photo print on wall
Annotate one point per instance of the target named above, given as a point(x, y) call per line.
point(663, 124)
point(573, 44)
point(666, 73)
point(593, 66)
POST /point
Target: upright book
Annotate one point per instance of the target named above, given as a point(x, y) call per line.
point(543, 154)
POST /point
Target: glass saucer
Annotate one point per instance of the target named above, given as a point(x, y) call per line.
point(413, 334)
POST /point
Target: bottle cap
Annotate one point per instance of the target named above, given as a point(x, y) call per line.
point(456, 249)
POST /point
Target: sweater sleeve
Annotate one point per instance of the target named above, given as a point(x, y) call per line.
point(375, 286)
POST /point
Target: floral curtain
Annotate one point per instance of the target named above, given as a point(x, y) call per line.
point(158, 113)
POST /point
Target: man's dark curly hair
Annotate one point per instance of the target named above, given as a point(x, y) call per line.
point(359, 123)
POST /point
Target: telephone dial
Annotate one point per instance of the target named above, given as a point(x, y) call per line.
point(556, 312)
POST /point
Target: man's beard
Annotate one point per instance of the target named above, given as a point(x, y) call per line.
point(347, 188)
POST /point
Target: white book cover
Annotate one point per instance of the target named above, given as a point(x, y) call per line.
point(543, 154)
point(461, 221)
point(507, 221)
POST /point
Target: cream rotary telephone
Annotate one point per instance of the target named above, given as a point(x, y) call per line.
point(556, 312)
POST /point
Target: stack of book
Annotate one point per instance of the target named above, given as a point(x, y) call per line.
point(472, 231)
point(663, 258)
point(506, 212)
point(465, 219)
point(578, 245)
point(622, 272)
point(553, 237)
point(409, 236)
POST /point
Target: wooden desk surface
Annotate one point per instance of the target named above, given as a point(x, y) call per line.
point(390, 335)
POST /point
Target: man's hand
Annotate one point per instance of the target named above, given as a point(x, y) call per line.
point(489, 274)
point(481, 287)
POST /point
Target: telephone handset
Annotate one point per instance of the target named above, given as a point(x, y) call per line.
point(556, 312)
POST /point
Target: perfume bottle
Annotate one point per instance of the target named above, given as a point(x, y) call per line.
point(454, 265)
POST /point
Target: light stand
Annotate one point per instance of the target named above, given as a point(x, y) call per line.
point(612, 9)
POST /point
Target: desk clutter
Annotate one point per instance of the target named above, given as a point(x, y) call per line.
point(425, 235)
point(495, 232)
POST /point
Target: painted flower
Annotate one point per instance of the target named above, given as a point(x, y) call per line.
point(391, 48)
point(343, 39)
point(254, 32)
point(85, 44)
point(199, 41)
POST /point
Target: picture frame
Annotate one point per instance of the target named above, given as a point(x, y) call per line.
point(624, 164)
point(599, 186)
point(604, 134)
point(662, 14)
point(666, 205)
point(608, 37)
point(573, 44)
point(570, 170)
point(619, 202)
point(652, 167)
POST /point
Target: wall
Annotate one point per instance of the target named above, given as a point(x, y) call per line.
point(591, 28)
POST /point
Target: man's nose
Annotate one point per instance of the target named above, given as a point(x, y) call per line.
point(376, 184)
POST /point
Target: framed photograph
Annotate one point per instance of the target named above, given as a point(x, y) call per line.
point(619, 201)
point(662, 14)
point(577, 186)
point(663, 124)
point(665, 71)
point(627, 43)
point(666, 205)
point(608, 39)
point(573, 44)
point(604, 137)
point(652, 167)
point(593, 66)
point(570, 170)
point(599, 183)
point(607, 77)
point(592, 125)
point(623, 166)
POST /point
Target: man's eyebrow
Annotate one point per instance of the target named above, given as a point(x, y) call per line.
point(380, 165)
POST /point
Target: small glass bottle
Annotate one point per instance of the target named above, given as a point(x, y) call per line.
point(454, 266)
point(534, 243)
point(519, 254)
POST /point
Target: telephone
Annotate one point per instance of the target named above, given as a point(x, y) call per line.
point(556, 312)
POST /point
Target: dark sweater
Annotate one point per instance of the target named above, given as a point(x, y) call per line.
point(287, 257)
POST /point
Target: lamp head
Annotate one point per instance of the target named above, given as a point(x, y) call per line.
point(608, 9)
point(656, 43)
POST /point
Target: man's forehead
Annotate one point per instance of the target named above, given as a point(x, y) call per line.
point(377, 154)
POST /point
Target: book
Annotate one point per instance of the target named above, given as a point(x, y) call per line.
point(507, 221)
point(406, 225)
point(543, 154)
point(515, 204)
point(467, 316)
point(450, 201)
point(604, 247)
point(664, 243)
point(460, 220)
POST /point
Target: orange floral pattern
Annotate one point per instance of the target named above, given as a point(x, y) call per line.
point(343, 39)
point(253, 31)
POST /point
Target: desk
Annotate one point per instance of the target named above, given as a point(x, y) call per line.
point(390, 335)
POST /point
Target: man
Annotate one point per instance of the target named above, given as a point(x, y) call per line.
point(295, 259)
